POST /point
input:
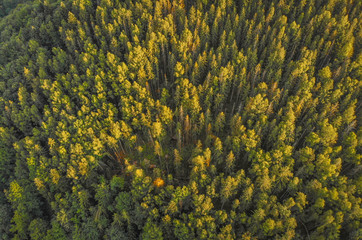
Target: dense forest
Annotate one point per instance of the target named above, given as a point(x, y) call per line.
point(180, 119)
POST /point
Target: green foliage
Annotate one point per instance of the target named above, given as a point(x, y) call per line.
point(180, 119)
point(151, 232)
point(37, 229)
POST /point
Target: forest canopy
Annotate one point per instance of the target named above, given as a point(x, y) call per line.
point(180, 119)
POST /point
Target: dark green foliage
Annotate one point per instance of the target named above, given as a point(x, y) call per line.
point(180, 119)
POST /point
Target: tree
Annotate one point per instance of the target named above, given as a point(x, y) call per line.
point(328, 134)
